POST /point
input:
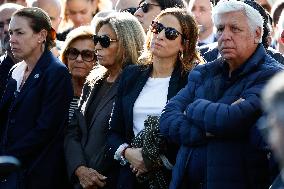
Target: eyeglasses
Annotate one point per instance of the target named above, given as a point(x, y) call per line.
point(145, 6)
point(87, 55)
point(170, 33)
point(131, 10)
point(104, 40)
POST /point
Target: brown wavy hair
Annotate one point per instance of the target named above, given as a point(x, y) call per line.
point(189, 29)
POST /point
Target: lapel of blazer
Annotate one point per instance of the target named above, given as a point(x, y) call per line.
point(34, 76)
point(140, 81)
point(110, 95)
point(94, 90)
point(83, 125)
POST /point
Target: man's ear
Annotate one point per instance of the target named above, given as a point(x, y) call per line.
point(257, 35)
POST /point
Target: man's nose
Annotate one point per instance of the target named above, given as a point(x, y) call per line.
point(224, 35)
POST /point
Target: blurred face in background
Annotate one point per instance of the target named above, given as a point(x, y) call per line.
point(80, 12)
point(276, 138)
point(107, 55)
point(202, 12)
point(5, 17)
point(146, 12)
point(20, 2)
point(81, 57)
point(122, 5)
point(53, 9)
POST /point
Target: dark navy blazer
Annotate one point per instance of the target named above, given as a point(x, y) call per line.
point(131, 84)
point(33, 120)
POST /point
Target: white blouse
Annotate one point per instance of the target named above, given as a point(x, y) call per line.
point(151, 101)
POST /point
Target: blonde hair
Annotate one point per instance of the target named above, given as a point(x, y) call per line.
point(130, 35)
point(82, 32)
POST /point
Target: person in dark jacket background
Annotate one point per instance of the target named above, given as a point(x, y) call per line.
point(34, 107)
point(214, 116)
point(169, 54)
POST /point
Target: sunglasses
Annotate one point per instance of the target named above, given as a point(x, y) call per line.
point(145, 6)
point(131, 10)
point(170, 33)
point(87, 55)
point(104, 40)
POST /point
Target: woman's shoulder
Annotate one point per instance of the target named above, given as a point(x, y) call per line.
point(133, 70)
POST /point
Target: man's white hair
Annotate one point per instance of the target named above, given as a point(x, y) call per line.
point(254, 18)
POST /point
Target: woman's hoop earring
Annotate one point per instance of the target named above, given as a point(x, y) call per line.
point(180, 55)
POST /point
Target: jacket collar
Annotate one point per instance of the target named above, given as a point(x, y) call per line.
point(35, 75)
point(253, 61)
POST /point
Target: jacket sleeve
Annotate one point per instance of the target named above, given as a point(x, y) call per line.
point(53, 114)
point(72, 146)
point(116, 135)
point(236, 119)
point(74, 154)
point(174, 124)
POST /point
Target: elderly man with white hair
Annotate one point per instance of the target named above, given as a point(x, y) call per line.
point(214, 117)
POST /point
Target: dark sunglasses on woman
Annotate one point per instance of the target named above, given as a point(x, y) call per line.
point(86, 55)
point(145, 6)
point(104, 40)
point(131, 10)
point(170, 33)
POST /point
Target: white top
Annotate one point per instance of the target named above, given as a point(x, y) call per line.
point(151, 101)
point(18, 73)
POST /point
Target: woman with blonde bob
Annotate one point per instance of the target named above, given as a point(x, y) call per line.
point(118, 42)
point(144, 89)
point(78, 54)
